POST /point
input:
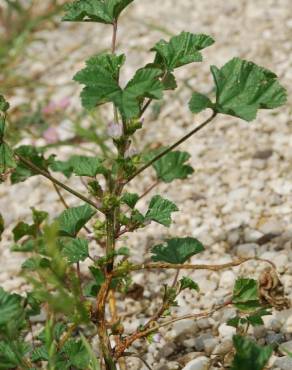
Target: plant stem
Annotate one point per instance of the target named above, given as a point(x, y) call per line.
point(42, 172)
point(127, 342)
point(173, 146)
point(178, 266)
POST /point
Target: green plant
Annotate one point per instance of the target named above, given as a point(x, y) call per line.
point(75, 305)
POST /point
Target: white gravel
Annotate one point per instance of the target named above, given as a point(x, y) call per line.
point(238, 202)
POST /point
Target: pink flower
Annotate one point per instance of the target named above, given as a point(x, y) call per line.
point(55, 106)
point(115, 130)
point(157, 338)
point(51, 135)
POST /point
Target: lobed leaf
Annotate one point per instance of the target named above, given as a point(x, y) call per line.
point(130, 199)
point(160, 210)
point(245, 294)
point(76, 250)
point(100, 77)
point(242, 88)
point(102, 11)
point(249, 355)
point(73, 219)
point(172, 166)
point(35, 155)
point(180, 50)
point(177, 250)
point(12, 354)
point(188, 283)
point(10, 307)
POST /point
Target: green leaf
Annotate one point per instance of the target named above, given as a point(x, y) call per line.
point(10, 307)
point(101, 85)
point(102, 11)
point(12, 354)
point(144, 84)
point(77, 354)
point(39, 216)
point(243, 87)
point(76, 250)
point(249, 355)
point(98, 275)
point(199, 102)
point(23, 229)
point(177, 250)
point(86, 166)
point(4, 105)
point(245, 294)
point(169, 82)
point(172, 166)
point(94, 365)
point(7, 160)
point(2, 225)
point(180, 50)
point(160, 210)
point(130, 199)
point(40, 354)
point(65, 167)
point(188, 283)
point(112, 63)
point(73, 219)
point(21, 172)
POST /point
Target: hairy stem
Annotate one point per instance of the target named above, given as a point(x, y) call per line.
point(127, 342)
point(178, 266)
point(42, 172)
point(173, 146)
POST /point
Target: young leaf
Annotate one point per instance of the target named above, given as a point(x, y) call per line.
point(180, 50)
point(130, 199)
point(144, 84)
point(160, 210)
point(177, 250)
point(172, 166)
point(76, 250)
point(4, 105)
point(199, 102)
point(101, 85)
point(39, 216)
point(249, 355)
point(102, 11)
point(188, 283)
point(23, 229)
point(245, 294)
point(73, 219)
point(7, 160)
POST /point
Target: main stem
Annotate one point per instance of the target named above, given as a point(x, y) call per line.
point(111, 226)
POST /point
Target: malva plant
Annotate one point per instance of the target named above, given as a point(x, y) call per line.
point(79, 306)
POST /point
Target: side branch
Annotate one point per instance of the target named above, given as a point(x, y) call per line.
point(162, 265)
point(127, 342)
point(169, 149)
point(42, 172)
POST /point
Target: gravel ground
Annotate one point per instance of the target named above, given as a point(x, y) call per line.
point(238, 202)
